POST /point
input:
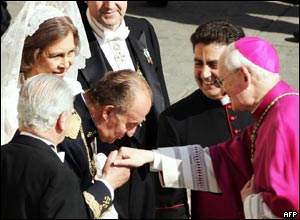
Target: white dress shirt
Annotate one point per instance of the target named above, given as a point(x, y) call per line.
point(113, 44)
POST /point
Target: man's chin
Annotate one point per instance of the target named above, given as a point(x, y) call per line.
point(111, 141)
point(212, 93)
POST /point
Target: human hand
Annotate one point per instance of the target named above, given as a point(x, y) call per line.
point(115, 176)
point(248, 189)
point(131, 157)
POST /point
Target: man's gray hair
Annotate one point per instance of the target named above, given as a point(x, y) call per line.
point(42, 99)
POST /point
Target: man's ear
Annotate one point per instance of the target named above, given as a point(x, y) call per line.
point(107, 110)
point(62, 123)
point(247, 75)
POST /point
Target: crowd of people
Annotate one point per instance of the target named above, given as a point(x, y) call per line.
point(87, 129)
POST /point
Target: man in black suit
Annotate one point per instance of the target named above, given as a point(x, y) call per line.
point(35, 183)
point(113, 108)
point(120, 42)
point(204, 117)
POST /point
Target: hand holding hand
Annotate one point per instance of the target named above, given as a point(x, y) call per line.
point(131, 157)
point(115, 176)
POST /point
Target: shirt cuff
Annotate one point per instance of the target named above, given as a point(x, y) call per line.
point(156, 165)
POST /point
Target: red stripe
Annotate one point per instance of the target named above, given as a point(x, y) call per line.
point(171, 207)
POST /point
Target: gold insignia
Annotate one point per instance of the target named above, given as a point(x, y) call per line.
point(93, 168)
point(74, 126)
point(97, 208)
point(91, 134)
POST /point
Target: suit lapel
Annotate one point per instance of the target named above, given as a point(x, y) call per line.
point(86, 119)
point(96, 65)
point(148, 70)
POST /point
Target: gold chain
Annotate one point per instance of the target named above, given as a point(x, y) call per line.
point(253, 135)
point(92, 165)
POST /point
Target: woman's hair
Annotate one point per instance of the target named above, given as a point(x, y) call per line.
point(43, 98)
point(49, 31)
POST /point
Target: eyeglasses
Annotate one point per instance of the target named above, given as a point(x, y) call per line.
point(219, 82)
